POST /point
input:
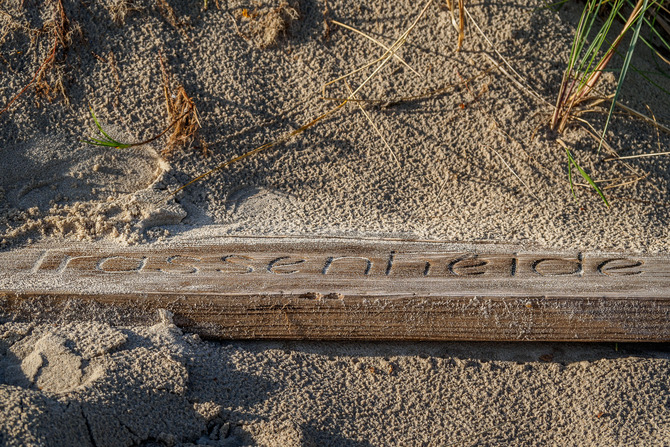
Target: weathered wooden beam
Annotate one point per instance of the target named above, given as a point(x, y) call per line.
point(346, 289)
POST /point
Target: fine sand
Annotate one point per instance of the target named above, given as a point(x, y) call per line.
point(90, 384)
point(467, 161)
point(448, 178)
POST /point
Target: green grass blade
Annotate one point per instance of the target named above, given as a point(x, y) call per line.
point(567, 84)
point(590, 61)
point(664, 44)
point(572, 184)
point(591, 53)
point(654, 32)
point(107, 141)
point(583, 33)
point(624, 69)
point(99, 126)
point(586, 177)
point(584, 56)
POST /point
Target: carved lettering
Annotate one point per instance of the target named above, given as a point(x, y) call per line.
point(184, 265)
point(40, 260)
point(389, 264)
point(236, 267)
point(67, 260)
point(311, 296)
point(620, 267)
point(121, 264)
point(426, 269)
point(274, 265)
point(411, 265)
point(331, 260)
point(558, 266)
point(468, 266)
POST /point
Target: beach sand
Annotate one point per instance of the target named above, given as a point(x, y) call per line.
point(91, 384)
point(470, 159)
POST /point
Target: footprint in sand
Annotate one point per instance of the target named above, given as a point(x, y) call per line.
point(59, 361)
point(51, 187)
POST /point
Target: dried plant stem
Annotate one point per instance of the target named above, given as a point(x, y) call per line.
point(530, 190)
point(386, 103)
point(644, 117)
point(46, 61)
point(518, 80)
point(374, 126)
point(262, 147)
point(61, 37)
point(176, 103)
point(625, 157)
point(460, 24)
point(351, 28)
point(110, 142)
point(388, 55)
point(154, 138)
point(577, 86)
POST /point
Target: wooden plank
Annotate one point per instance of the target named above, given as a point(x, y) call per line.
point(346, 289)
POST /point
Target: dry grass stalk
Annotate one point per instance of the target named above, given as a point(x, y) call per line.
point(170, 16)
point(48, 80)
point(460, 24)
point(326, 26)
point(509, 168)
point(179, 104)
point(361, 33)
point(381, 61)
point(374, 126)
point(119, 9)
point(384, 60)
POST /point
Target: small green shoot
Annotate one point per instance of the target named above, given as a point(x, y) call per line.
point(587, 177)
point(106, 141)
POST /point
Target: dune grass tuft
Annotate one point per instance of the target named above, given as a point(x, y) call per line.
point(591, 55)
point(178, 102)
point(108, 141)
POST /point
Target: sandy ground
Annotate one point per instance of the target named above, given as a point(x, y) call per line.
point(254, 70)
point(448, 176)
point(91, 384)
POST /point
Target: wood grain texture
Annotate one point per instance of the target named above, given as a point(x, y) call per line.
point(346, 289)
